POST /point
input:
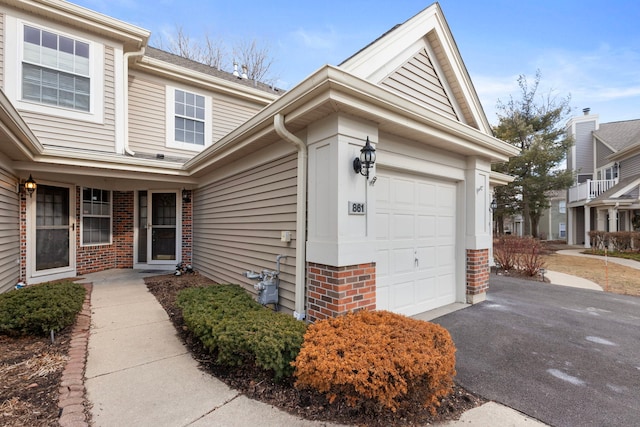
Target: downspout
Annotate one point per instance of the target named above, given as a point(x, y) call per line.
point(301, 209)
point(126, 57)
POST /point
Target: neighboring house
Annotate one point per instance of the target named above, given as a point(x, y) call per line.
point(606, 163)
point(143, 159)
point(553, 222)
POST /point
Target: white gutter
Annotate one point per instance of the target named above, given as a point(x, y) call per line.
point(301, 209)
point(126, 98)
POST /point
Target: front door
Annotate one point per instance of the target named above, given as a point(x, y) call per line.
point(159, 232)
point(54, 253)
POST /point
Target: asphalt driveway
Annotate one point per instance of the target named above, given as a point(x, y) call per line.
point(566, 356)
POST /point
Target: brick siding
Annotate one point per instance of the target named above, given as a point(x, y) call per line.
point(477, 271)
point(333, 291)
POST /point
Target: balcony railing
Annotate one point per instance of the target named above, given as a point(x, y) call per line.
point(590, 189)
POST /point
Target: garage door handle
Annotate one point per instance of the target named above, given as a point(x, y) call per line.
point(415, 258)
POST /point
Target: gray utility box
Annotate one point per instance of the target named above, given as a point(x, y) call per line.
point(267, 291)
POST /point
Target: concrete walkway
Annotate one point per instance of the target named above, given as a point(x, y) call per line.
point(139, 373)
point(622, 261)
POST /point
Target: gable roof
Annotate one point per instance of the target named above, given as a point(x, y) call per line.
point(419, 60)
point(619, 135)
point(206, 69)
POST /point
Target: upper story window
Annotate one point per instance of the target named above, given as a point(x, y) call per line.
point(562, 206)
point(188, 119)
point(56, 72)
point(96, 216)
point(610, 172)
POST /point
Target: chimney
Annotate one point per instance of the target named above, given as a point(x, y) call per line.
point(235, 70)
point(586, 111)
point(244, 72)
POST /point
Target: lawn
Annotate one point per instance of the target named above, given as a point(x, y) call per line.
point(612, 277)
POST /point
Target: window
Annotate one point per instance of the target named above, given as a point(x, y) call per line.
point(96, 216)
point(562, 231)
point(562, 206)
point(188, 118)
point(55, 70)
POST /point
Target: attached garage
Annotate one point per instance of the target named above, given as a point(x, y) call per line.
point(415, 242)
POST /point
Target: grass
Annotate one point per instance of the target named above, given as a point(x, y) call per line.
point(612, 277)
point(627, 255)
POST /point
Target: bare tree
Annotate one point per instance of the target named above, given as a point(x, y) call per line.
point(254, 56)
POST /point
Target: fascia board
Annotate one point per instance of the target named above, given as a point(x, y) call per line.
point(71, 157)
point(79, 16)
point(340, 86)
point(376, 56)
point(17, 129)
point(185, 75)
point(499, 179)
point(625, 153)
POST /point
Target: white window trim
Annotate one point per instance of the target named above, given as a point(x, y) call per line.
point(82, 243)
point(14, 51)
point(170, 120)
point(562, 206)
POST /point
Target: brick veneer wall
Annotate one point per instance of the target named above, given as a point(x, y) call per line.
point(333, 291)
point(119, 254)
point(187, 228)
point(23, 236)
point(477, 272)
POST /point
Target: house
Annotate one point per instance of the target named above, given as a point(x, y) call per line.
point(553, 221)
point(142, 159)
point(606, 163)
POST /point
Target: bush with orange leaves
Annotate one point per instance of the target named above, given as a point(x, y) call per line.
point(377, 360)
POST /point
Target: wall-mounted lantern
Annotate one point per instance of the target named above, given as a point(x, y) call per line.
point(186, 196)
point(366, 160)
point(30, 185)
point(493, 206)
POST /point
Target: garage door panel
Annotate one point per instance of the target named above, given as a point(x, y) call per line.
point(402, 192)
point(403, 226)
point(426, 195)
point(403, 295)
point(446, 196)
point(382, 226)
point(402, 261)
point(416, 218)
point(426, 226)
point(446, 226)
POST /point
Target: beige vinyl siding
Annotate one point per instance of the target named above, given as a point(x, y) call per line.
point(9, 232)
point(63, 132)
point(419, 80)
point(146, 115)
point(229, 113)
point(237, 223)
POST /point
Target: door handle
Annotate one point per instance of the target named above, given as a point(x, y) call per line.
point(416, 261)
point(73, 226)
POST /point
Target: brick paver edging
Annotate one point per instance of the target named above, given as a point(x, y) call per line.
point(72, 401)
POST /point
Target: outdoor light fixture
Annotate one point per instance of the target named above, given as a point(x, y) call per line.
point(366, 160)
point(186, 196)
point(493, 206)
point(30, 185)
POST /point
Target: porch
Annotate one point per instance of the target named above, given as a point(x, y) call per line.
point(590, 189)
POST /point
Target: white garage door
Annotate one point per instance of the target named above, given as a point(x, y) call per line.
point(416, 233)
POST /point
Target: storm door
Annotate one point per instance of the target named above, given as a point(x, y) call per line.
point(54, 230)
point(162, 227)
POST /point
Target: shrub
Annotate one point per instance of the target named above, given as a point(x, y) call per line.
point(377, 359)
point(39, 309)
point(522, 254)
point(234, 327)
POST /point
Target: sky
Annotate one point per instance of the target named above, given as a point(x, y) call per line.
point(586, 50)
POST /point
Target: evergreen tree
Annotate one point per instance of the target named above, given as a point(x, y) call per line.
point(535, 126)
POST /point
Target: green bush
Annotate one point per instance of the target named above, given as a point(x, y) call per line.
point(234, 327)
point(377, 360)
point(39, 309)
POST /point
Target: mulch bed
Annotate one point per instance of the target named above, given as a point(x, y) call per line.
point(30, 373)
point(255, 384)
